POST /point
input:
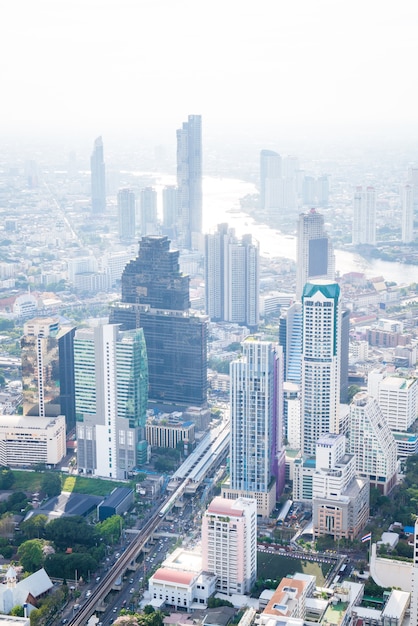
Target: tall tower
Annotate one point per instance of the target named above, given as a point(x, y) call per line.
point(155, 297)
point(189, 180)
point(364, 216)
point(257, 424)
point(270, 179)
point(229, 544)
point(315, 253)
point(111, 383)
point(413, 620)
point(98, 179)
point(148, 211)
point(232, 278)
point(321, 339)
point(170, 210)
point(126, 214)
point(407, 213)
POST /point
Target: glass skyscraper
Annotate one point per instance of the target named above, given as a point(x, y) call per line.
point(189, 180)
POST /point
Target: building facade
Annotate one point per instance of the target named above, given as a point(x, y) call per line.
point(364, 216)
point(98, 178)
point(189, 181)
point(126, 214)
point(31, 440)
point(407, 213)
point(256, 400)
point(229, 544)
point(372, 443)
point(111, 384)
point(270, 180)
point(232, 278)
point(321, 361)
point(315, 253)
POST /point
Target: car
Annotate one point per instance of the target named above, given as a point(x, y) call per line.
point(115, 608)
point(132, 590)
point(64, 621)
point(88, 593)
point(131, 581)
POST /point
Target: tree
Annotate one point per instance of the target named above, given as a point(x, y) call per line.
point(110, 529)
point(30, 555)
point(51, 484)
point(34, 526)
point(18, 611)
point(70, 532)
point(6, 478)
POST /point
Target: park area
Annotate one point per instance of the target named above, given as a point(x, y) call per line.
point(276, 566)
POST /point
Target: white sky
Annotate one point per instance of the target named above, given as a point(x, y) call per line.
point(99, 65)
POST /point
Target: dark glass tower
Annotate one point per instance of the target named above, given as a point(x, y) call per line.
point(155, 297)
point(98, 180)
point(189, 179)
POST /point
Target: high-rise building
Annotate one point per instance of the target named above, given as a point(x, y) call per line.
point(148, 212)
point(229, 544)
point(270, 180)
point(407, 213)
point(290, 338)
point(111, 394)
point(397, 397)
point(413, 180)
point(315, 253)
point(155, 297)
point(340, 500)
point(48, 369)
point(321, 361)
point(232, 278)
point(364, 216)
point(170, 210)
point(126, 214)
point(98, 178)
point(413, 619)
point(372, 442)
point(189, 181)
point(256, 455)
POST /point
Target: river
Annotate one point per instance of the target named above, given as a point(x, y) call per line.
point(221, 198)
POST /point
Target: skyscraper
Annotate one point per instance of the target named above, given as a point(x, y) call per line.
point(155, 297)
point(256, 393)
point(407, 213)
point(315, 254)
point(98, 179)
point(270, 179)
point(148, 211)
point(189, 180)
point(170, 210)
point(111, 383)
point(232, 278)
point(321, 345)
point(126, 214)
point(364, 216)
point(229, 544)
point(413, 621)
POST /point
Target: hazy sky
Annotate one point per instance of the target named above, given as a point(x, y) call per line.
point(97, 66)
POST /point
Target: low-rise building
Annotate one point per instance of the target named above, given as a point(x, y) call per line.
point(26, 441)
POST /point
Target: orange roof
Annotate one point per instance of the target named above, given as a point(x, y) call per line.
point(279, 596)
point(165, 574)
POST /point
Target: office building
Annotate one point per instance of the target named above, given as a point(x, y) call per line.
point(407, 213)
point(170, 210)
point(397, 397)
point(257, 463)
point(321, 360)
point(270, 180)
point(315, 253)
point(111, 385)
point(155, 297)
point(364, 216)
point(32, 440)
point(372, 443)
point(232, 277)
point(48, 369)
point(413, 180)
point(98, 178)
point(290, 338)
point(189, 181)
point(126, 215)
point(229, 544)
point(340, 500)
point(148, 212)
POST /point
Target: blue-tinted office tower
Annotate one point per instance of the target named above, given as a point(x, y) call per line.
point(189, 181)
point(98, 178)
point(155, 297)
point(315, 253)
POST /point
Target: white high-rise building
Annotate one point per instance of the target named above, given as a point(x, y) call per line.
point(407, 213)
point(413, 619)
point(232, 277)
point(270, 179)
point(321, 344)
point(371, 441)
point(111, 395)
point(256, 456)
point(315, 253)
point(397, 397)
point(364, 216)
point(229, 544)
point(126, 214)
